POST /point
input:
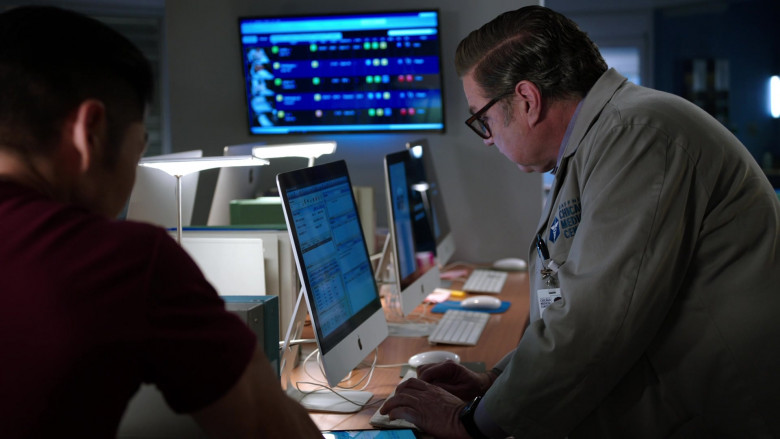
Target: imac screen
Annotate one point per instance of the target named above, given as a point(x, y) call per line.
point(334, 265)
point(367, 72)
point(424, 177)
point(410, 231)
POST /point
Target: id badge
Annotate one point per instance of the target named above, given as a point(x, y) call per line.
point(546, 298)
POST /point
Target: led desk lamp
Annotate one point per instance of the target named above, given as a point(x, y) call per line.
point(310, 150)
point(179, 167)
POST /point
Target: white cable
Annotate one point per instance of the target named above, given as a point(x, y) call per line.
point(366, 377)
point(317, 382)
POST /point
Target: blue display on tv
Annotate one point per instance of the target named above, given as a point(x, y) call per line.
point(366, 72)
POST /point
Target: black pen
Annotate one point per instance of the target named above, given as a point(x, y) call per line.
point(541, 248)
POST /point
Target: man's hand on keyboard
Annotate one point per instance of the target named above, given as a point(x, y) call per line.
point(456, 379)
point(429, 407)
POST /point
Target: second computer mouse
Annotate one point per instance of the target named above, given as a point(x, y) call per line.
point(481, 302)
point(510, 264)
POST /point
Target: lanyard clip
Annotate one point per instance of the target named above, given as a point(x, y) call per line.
point(550, 267)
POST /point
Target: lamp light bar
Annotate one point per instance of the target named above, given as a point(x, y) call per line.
point(310, 150)
point(184, 166)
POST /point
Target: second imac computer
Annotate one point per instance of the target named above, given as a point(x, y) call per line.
point(415, 272)
point(233, 184)
point(424, 181)
point(334, 266)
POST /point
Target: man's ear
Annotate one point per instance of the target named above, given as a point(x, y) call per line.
point(89, 132)
point(531, 98)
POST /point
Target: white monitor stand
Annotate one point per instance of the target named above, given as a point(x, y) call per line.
point(396, 304)
point(326, 400)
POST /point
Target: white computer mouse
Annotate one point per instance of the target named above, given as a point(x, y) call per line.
point(433, 357)
point(510, 264)
point(481, 302)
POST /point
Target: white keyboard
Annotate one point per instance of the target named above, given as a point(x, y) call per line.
point(459, 327)
point(485, 281)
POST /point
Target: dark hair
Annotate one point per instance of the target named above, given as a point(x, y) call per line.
point(51, 60)
point(533, 43)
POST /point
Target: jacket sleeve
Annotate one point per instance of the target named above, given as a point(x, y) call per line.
point(618, 279)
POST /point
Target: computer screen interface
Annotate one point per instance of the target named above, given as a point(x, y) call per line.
point(356, 72)
point(338, 276)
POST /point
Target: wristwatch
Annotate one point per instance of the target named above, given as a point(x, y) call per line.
point(467, 418)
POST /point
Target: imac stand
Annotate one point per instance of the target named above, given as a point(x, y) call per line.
point(399, 326)
point(325, 400)
point(383, 274)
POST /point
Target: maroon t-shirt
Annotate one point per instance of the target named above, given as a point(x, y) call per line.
point(90, 308)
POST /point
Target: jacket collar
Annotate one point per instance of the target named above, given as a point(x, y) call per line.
point(592, 106)
point(597, 98)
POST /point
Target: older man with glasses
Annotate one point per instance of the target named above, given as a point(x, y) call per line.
point(654, 301)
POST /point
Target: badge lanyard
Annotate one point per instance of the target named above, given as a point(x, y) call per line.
point(549, 272)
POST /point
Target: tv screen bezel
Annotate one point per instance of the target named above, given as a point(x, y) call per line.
point(294, 130)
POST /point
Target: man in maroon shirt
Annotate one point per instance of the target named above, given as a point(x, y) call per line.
point(91, 307)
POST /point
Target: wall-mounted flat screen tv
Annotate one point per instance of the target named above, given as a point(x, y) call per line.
point(356, 72)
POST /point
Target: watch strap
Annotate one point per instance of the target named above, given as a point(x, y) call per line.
point(467, 418)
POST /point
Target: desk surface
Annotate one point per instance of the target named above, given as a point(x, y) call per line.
point(501, 335)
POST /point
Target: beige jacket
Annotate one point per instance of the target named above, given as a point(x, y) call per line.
point(667, 237)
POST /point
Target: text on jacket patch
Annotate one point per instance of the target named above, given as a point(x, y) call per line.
point(566, 221)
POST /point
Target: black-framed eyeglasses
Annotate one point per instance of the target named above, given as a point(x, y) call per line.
point(476, 123)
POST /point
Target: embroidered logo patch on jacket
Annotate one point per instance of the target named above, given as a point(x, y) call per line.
point(566, 221)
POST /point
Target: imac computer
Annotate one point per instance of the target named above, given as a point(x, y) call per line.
point(415, 273)
point(424, 181)
point(234, 183)
point(334, 266)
